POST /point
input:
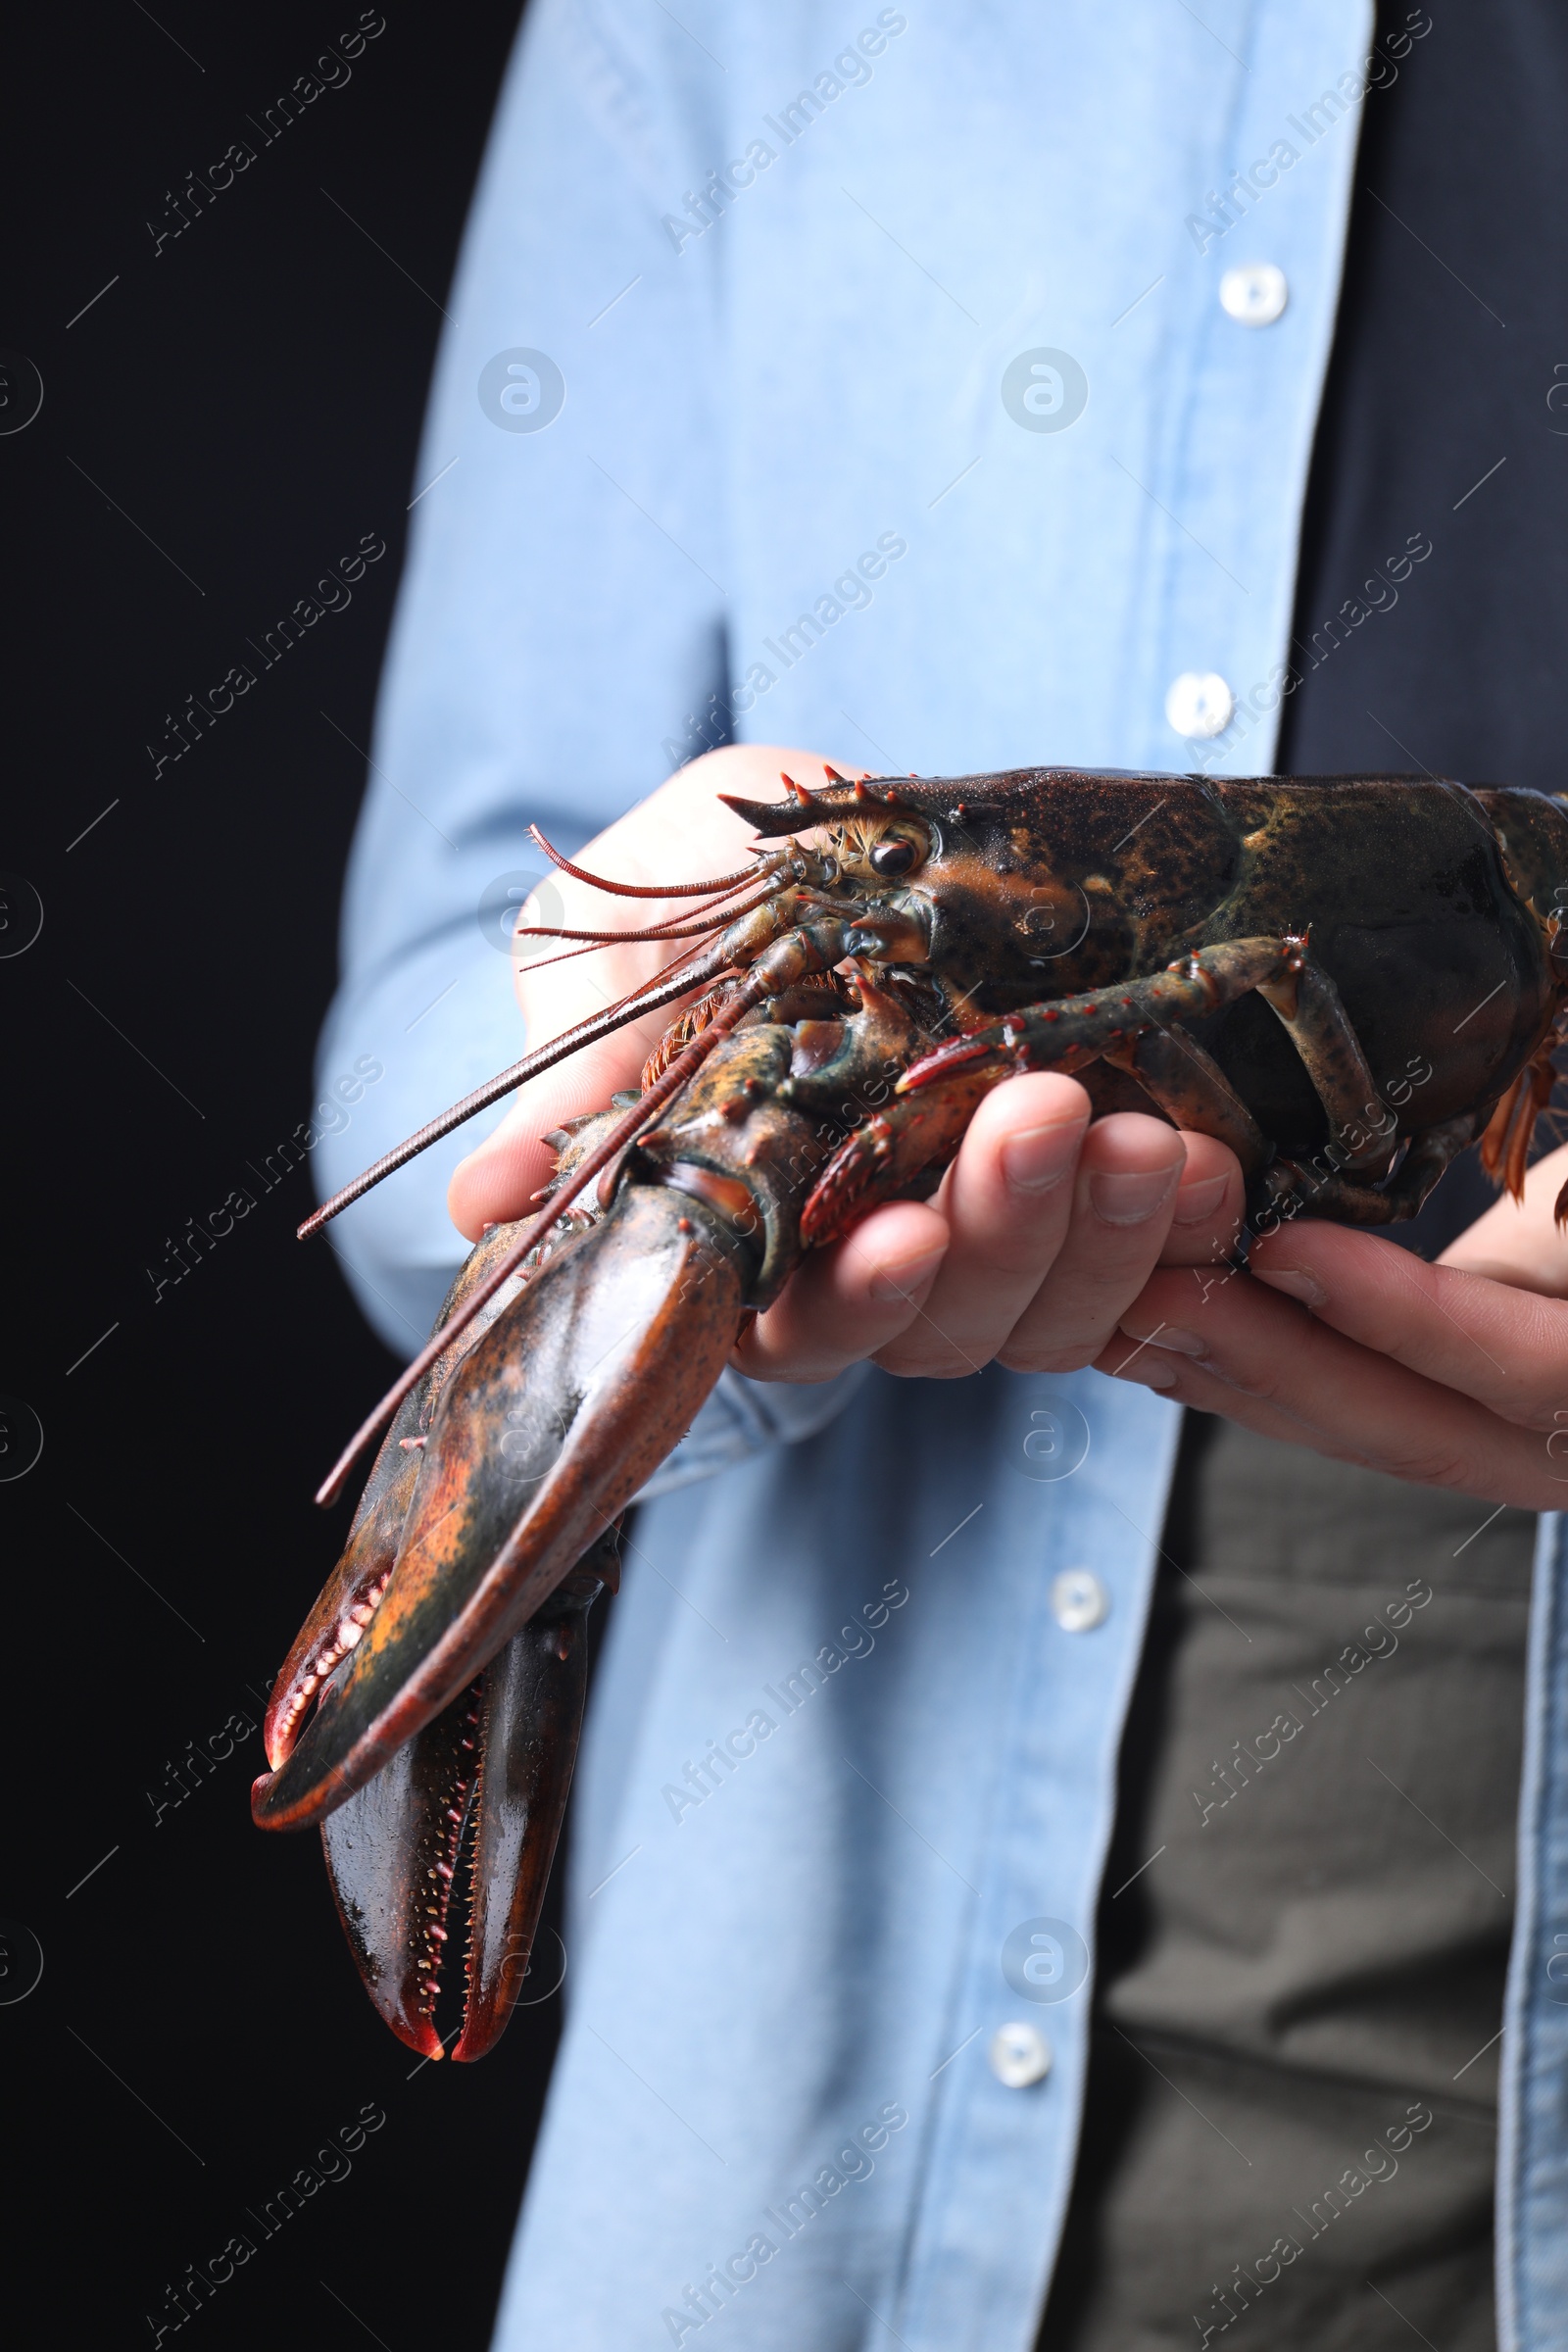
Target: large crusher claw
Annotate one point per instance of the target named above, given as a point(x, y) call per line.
point(435, 1692)
point(469, 1814)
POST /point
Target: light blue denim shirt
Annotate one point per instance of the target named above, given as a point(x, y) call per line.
point(863, 380)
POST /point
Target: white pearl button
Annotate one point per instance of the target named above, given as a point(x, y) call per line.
point(1019, 2055)
point(1079, 1600)
point(1254, 296)
point(1200, 703)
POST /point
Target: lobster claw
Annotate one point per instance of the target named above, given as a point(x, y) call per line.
point(548, 1428)
point(485, 1785)
point(446, 1659)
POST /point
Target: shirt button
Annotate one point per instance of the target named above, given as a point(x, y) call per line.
point(1019, 2055)
point(1254, 296)
point(1079, 1600)
point(1200, 703)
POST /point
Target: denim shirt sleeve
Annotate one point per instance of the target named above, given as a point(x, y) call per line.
point(549, 637)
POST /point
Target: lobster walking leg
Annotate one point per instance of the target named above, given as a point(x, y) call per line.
point(936, 1095)
point(1308, 1007)
point(1505, 1145)
point(1193, 1090)
point(1289, 1190)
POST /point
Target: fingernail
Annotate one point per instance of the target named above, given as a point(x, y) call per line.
point(1041, 1157)
point(1294, 1280)
point(1182, 1343)
point(1131, 1199)
point(1196, 1201)
point(1149, 1372)
point(907, 1278)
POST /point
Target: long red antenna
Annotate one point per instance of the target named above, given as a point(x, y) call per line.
point(638, 890)
point(695, 971)
point(669, 928)
point(729, 914)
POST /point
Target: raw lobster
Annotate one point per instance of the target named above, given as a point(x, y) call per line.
point(1346, 979)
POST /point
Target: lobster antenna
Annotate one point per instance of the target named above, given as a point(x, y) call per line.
point(658, 931)
point(546, 963)
point(668, 928)
point(638, 890)
point(677, 981)
point(623, 1133)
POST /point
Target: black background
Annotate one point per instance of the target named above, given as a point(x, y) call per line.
point(246, 401)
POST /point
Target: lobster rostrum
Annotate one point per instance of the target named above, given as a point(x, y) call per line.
point(1346, 979)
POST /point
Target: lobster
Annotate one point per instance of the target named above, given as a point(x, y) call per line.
point(1348, 980)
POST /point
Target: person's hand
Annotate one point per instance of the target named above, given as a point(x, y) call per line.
point(1449, 1375)
point(1045, 1231)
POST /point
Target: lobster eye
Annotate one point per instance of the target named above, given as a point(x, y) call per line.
point(893, 857)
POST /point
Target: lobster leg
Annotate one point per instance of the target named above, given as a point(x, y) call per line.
point(1188, 1086)
point(1505, 1145)
point(1289, 1190)
point(446, 1662)
point(1308, 1007)
point(936, 1095)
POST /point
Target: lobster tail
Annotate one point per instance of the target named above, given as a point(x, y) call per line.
point(1505, 1145)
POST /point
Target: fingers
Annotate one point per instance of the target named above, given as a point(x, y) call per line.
point(1036, 1193)
point(497, 1180)
point(847, 1302)
point(1007, 1204)
point(1520, 1241)
point(1249, 1352)
point(1507, 1347)
point(1206, 1222)
point(1123, 1195)
point(940, 1297)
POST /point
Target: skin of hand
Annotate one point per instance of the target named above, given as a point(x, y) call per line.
point(1449, 1375)
point(1044, 1233)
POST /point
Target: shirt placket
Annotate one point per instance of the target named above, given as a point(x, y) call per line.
point(1224, 462)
